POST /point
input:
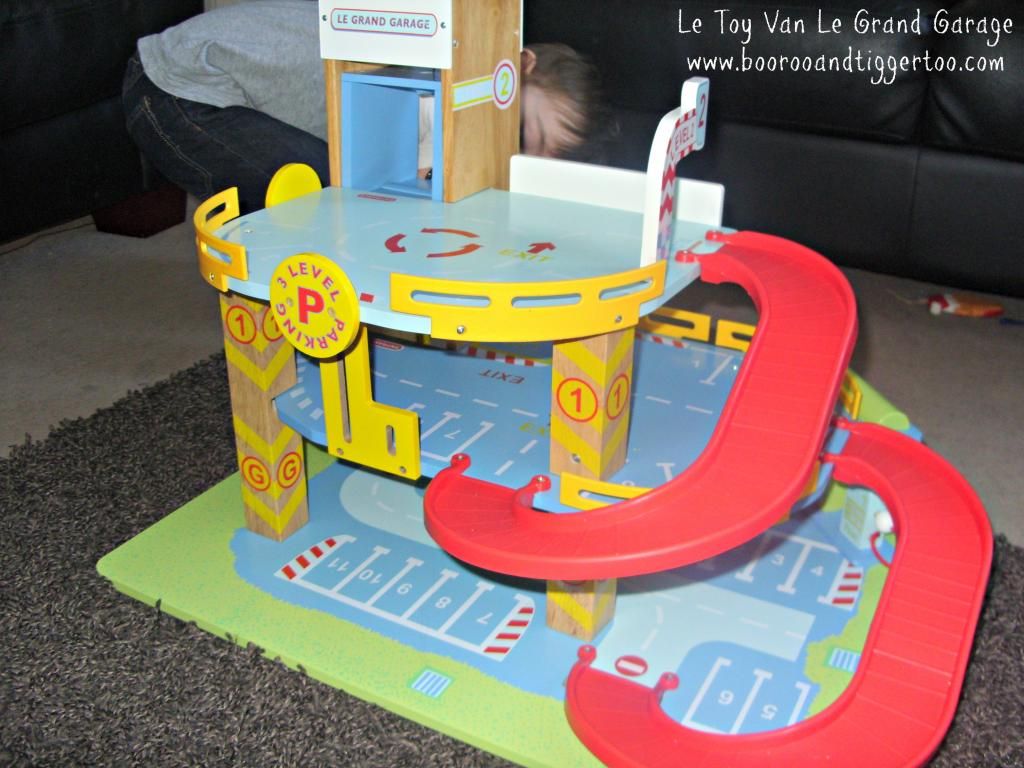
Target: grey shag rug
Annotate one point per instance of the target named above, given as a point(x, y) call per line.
point(91, 677)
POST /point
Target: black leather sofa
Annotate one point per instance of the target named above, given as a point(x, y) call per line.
point(64, 150)
point(922, 176)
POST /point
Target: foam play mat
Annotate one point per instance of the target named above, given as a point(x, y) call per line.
point(362, 599)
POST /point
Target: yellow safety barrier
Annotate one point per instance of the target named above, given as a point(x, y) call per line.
point(573, 487)
point(230, 258)
point(360, 429)
point(546, 311)
point(684, 324)
point(678, 324)
point(850, 395)
point(733, 335)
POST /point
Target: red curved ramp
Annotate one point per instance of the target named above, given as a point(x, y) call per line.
point(751, 472)
point(902, 697)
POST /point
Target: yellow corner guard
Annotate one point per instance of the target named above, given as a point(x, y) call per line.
point(219, 259)
point(545, 311)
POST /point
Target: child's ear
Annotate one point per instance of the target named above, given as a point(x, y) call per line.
point(527, 61)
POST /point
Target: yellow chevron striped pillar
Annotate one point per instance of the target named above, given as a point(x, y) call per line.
point(580, 608)
point(261, 365)
point(591, 381)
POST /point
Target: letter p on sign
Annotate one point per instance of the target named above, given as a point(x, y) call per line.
point(309, 301)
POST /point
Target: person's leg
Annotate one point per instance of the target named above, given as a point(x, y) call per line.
point(205, 149)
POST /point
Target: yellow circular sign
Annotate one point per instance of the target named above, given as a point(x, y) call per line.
point(314, 304)
point(576, 399)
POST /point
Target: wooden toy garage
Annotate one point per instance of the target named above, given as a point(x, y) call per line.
point(473, 435)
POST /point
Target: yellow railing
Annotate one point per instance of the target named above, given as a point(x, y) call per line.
point(544, 311)
point(219, 259)
point(850, 395)
point(683, 324)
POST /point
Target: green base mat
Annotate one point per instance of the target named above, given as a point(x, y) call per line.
point(185, 565)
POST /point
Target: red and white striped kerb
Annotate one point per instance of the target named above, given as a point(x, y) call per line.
point(658, 339)
point(508, 634)
point(492, 354)
point(306, 560)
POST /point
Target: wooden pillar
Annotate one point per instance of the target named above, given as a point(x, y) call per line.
point(591, 382)
point(261, 365)
point(580, 608)
point(479, 139)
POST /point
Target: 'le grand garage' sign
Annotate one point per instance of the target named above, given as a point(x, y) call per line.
point(413, 34)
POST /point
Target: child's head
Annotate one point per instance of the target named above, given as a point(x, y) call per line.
point(561, 101)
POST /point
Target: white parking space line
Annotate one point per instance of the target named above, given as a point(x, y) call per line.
point(704, 688)
point(485, 427)
point(377, 552)
point(761, 676)
point(410, 563)
point(446, 575)
point(481, 587)
point(448, 416)
point(805, 691)
point(710, 380)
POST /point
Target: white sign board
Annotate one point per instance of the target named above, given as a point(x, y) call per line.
point(680, 132)
point(411, 33)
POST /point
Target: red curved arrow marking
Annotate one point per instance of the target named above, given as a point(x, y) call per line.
point(392, 243)
point(468, 248)
point(539, 247)
point(462, 232)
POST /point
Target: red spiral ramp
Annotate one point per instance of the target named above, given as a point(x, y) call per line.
point(904, 693)
point(752, 471)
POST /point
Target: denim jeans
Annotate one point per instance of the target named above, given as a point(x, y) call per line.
point(205, 149)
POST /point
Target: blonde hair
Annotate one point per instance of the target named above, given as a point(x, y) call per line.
point(573, 79)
